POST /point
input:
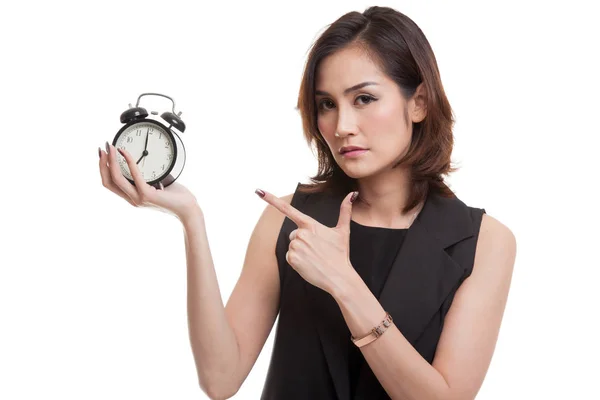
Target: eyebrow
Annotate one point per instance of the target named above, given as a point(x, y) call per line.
point(350, 89)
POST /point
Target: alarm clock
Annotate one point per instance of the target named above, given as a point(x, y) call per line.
point(153, 143)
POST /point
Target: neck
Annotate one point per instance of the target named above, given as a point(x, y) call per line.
point(386, 194)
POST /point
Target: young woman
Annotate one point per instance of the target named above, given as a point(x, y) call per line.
point(386, 284)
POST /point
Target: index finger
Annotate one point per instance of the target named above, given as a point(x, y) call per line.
point(139, 181)
point(301, 219)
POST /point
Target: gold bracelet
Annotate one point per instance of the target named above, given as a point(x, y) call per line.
point(374, 333)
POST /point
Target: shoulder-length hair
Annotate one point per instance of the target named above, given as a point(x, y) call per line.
point(401, 50)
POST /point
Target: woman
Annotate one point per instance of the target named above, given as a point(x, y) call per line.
point(397, 292)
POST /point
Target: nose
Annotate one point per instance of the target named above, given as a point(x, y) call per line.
point(346, 124)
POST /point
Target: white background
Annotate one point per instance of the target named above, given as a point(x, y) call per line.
point(93, 291)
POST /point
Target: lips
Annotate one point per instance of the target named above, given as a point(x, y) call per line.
point(346, 149)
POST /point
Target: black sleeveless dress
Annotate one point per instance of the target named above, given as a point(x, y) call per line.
point(372, 252)
point(414, 274)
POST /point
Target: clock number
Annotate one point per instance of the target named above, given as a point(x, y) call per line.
point(170, 157)
point(138, 132)
point(154, 174)
point(163, 167)
point(160, 135)
point(129, 139)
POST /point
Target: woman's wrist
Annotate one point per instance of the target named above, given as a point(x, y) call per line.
point(191, 215)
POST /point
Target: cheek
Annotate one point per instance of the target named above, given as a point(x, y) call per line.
point(387, 118)
point(388, 135)
point(327, 129)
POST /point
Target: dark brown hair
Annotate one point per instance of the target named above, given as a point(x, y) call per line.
point(401, 50)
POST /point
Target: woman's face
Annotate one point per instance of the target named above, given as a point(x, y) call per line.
point(372, 116)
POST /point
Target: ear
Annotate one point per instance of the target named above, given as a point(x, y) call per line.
point(418, 104)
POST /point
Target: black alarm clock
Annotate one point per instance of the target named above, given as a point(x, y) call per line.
point(153, 143)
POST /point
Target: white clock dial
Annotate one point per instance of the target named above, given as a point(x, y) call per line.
point(160, 150)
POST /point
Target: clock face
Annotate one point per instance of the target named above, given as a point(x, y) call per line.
point(151, 147)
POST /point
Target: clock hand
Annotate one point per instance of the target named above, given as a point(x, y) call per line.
point(146, 144)
point(144, 154)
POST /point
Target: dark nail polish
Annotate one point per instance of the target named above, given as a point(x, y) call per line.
point(354, 196)
point(107, 148)
point(99, 152)
point(260, 193)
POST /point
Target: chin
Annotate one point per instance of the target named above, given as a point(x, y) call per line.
point(357, 171)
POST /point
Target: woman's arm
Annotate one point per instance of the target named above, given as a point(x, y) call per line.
point(468, 339)
point(212, 340)
point(226, 341)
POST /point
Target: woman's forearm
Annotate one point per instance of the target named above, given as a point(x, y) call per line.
point(212, 339)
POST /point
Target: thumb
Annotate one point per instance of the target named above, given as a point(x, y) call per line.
point(346, 211)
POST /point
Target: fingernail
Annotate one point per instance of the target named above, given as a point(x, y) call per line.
point(260, 193)
point(99, 152)
point(121, 152)
point(354, 196)
point(107, 148)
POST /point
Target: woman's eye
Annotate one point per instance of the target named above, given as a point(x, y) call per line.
point(365, 98)
point(323, 103)
point(327, 104)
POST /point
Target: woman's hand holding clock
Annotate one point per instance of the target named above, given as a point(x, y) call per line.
point(175, 199)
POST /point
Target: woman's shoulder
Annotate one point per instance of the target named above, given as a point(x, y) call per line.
point(494, 231)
